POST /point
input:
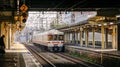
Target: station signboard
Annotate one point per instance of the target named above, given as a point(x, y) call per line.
point(23, 8)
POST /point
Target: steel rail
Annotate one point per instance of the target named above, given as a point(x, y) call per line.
point(50, 63)
point(79, 61)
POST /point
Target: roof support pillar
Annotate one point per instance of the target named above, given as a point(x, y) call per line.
point(81, 41)
point(113, 38)
point(65, 37)
point(103, 36)
point(93, 40)
point(76, 37)
point(69, 37)
point(9, 36)
point(86, 37)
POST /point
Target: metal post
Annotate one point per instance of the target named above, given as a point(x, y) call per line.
point(93, 42)
point(9, 36)
point(86, 38)
point(70, 37)
point(6, 37)
point(116, 36)
point(77, 38)
point(103, 36)
point(0, 28)
point(81, 41)
point(74, 38)
point(67, 37)
point(106, 38)
point(113, 38)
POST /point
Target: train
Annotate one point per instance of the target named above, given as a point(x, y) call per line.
point(52, 40)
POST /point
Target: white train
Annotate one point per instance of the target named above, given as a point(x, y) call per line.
point(52, 40)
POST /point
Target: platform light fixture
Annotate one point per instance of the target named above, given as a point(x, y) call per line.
point(99, 24)
point(111, 23)
point(105, 24)
point(117, 15)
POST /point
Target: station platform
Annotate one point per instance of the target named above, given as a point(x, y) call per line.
point(18, 56)
point(104, 57)
point(99, 50)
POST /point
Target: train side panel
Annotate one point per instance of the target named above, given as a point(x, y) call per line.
point(51, 45)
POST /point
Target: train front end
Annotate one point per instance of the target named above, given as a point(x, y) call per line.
point(56, 42)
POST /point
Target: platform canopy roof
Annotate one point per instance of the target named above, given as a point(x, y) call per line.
point(58, 5)
point(73, 4)
point(104, 6)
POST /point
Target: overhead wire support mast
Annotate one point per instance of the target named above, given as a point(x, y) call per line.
point(18, 7)
point(18, 14)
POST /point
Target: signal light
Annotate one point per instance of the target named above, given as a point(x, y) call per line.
point(24, 17)
point(24, 20)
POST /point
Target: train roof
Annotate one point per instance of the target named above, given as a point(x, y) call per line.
point(53, 31)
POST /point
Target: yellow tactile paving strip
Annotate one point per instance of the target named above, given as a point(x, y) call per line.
point(17, 47)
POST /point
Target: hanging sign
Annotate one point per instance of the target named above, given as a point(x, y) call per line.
point(23, 8)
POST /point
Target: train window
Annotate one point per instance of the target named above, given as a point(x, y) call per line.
point(60, 37)
point(50, 37)
point(55, 37)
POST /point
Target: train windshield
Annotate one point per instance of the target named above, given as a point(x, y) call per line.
point(60, 37)
point(55, 37)
point(50, 37)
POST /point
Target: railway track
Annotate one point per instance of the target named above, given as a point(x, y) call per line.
point(41, 59)
point(78, 60)
point(48, 62)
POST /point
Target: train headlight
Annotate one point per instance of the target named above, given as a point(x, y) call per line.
point(50, 45)
point(60, 45)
